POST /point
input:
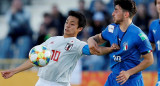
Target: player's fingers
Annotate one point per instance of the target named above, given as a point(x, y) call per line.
point(123, 82)
point(115, 46)
point(95, 49)
point(120, 81)
point(119, 76)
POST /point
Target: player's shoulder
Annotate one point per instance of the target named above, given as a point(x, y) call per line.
point(54, 38)
point(111, 27)
point(154, 23)
point(137, 32)
point(79, 41)
point(135, 29)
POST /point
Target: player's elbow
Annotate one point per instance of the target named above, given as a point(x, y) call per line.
point(150, 61)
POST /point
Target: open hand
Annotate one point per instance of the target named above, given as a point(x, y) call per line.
point(122, 77)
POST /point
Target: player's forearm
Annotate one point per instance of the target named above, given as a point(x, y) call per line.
point(143, 65)
point(24, 66)
point(105, 50)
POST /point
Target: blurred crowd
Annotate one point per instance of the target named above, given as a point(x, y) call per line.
point(19, 39)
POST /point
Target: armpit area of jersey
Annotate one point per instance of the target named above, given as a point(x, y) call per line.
point(146, 52)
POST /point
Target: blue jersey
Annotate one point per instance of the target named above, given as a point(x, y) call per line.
point(133, 43)
point(154, 37)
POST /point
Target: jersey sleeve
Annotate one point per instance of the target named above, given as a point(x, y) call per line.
point(107, 32)
point(143, 44)
point(86, 50)
point(80, 47)
point(47, 41)
point(150, 35)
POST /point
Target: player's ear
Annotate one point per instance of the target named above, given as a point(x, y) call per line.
point(126, 14)
point(80, 29)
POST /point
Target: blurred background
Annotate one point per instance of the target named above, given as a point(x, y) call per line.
point(26, 23)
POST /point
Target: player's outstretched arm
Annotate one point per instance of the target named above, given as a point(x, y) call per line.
point(93, 43)
point(102, 50)
point(124, 75)
point(9, 73)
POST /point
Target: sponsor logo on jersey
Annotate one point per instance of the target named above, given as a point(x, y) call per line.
point(68, 46)
point(125, 46)
point(52, 42)
point(142, 36)
point(110, 28)
point(154, 31)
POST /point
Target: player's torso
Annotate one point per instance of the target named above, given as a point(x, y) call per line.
point(63, 60)
point(127, 45)
point(128, 56)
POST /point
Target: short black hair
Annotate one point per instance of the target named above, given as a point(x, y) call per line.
point(46, 15)
point(128, 5)
point(80, 16)
point(155, 2)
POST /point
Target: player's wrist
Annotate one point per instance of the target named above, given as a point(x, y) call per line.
point(129, 72)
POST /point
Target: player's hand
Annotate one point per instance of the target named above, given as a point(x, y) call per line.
point(122, 77)
point(158, 83)
point(93, 46)
point(7, 74)
point(115, 47)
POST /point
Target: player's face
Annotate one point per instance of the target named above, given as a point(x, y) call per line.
point(118, 14)
point(158, 6)
point(71, 27)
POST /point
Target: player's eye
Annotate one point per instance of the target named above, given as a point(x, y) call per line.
point(72, 24)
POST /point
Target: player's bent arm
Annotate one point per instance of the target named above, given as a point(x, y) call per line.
point(9, 73)
point(24, 66)
point(148, 60)
point(93, 43)
point(97, 38)
point(103, 50)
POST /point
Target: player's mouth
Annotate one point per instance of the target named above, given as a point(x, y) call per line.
point(66, 30)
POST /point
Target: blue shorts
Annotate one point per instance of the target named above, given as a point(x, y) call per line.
point(136, 81)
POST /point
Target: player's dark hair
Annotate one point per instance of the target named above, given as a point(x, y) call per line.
point(46, 15)
point(128, 5)
point(80, 16)
point(155, 2)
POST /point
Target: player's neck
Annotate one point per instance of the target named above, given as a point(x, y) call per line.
point(65, 36)
point(124, 25)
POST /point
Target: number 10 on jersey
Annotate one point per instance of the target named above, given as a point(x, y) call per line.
point(55, 55)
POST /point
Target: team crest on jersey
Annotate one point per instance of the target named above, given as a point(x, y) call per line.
point(125, 46)
point(110, 28)
point(68, 46)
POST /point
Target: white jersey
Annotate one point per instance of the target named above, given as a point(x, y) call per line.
point(65, 54)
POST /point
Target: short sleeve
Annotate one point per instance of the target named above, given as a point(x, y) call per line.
point(80, 44)
point(143, 43)
point(47, 41)
point(150, 35)
point(85, 50)
point(107, 32)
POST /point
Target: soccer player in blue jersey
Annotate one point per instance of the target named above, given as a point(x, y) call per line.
point(154, 37)
point(125, 63)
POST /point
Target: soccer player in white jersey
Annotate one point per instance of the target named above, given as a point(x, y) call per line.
point(66, 51)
